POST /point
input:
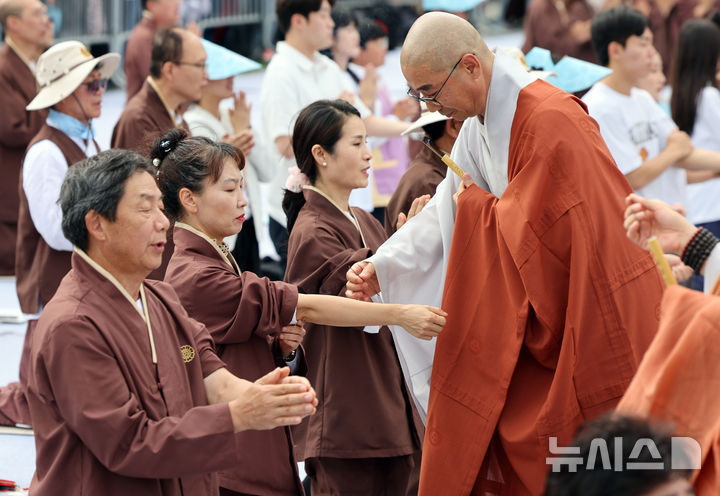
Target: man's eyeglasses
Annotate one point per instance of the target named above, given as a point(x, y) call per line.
point(433, 99)
point(199, 65)
point(96, 85)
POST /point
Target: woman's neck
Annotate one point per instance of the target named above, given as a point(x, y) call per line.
point(211, 103)
point(339, 195)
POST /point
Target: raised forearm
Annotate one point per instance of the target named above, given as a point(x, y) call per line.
point(701, 160)
point(345, 312)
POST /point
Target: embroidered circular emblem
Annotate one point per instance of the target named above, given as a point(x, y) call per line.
point(188, 353)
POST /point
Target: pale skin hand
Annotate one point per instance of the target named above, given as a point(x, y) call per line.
point(240, 115)
point(421, 321)
point(291, 337)
point(362, 282)
point(580, 31)
point(274, 400)
point(348, 96)
point(464, 184)
point(284, 146)
point(645, 218)
point(417, 205)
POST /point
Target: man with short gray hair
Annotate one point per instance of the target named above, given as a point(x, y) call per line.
point(28, 32)
point(126, 393)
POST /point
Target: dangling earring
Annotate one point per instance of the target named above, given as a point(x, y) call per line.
point(324, 164)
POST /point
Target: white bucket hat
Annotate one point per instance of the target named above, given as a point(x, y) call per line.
point(426, 117)
point(63, 67)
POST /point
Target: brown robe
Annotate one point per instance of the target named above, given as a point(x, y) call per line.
point(550, 306)
point(242, 312)
point(544, 27)
point(106, 419)
point(364, 410)
point(426, 171)
point(666, 28)
point(17, 128)
point(144, 120)
point(38, 271)
point(138, 53)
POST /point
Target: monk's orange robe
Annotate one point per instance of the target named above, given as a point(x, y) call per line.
point(550, 307)
point(679, 378)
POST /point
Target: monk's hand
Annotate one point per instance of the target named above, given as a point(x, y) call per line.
point(680, 271)
point(646, 218)
point(291, 337)
point(464, 184)
point(417, 205)
point(422, 321)
point(273, 400)
point(362, 282)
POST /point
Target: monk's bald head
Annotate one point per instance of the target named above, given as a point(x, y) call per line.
point(437, 39)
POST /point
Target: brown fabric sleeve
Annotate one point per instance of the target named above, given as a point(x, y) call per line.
point(93, 398)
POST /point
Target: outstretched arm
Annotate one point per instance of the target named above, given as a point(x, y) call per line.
point(424, 322)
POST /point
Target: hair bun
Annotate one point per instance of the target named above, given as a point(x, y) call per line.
point(165, 145)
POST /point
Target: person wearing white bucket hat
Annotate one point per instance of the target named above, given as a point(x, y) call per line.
point(426, 169)
point(28, 32)
point(72, 83)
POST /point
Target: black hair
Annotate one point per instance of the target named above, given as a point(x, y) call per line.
point(370, 30)
point(167, 47)
point(435, 130)
point(96, 183)
point(696, 59)
point(617, 25)
point(285, 9)
point(342, 17)
point(600, 479)
point(320, 123)
point(187, 162)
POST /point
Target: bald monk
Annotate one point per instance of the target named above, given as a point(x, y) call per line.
point(550, 307)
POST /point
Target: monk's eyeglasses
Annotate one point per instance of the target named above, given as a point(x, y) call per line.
point(199, 65)
point(433, 99)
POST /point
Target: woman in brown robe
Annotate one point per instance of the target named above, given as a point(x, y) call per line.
point(201, 182)
point(365, 438)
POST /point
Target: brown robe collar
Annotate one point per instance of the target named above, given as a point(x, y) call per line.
point(103, 273)
point(308, 199)
point(219, 250)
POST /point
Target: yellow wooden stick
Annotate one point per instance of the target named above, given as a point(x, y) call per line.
point(661, 261)
point(445, 158)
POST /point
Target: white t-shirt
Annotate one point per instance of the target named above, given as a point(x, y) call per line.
point(292, 81)
point(635, 130)
point(704, 198)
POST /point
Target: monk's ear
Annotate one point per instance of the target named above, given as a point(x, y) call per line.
point(452, 127)
point(95, 225)
point(471, 63)
point(188, 201)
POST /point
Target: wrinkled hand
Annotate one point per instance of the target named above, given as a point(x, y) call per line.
point(245, 141)
point(291, 337)
point(423, 321)
point(464, 184)
point(407, 108)
point(362, 282)
point(680, 271)
point(368, 86)
point(417, 205)
point(646, 218)
point(274, 400)
point(679, 142)
point(240, 114)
